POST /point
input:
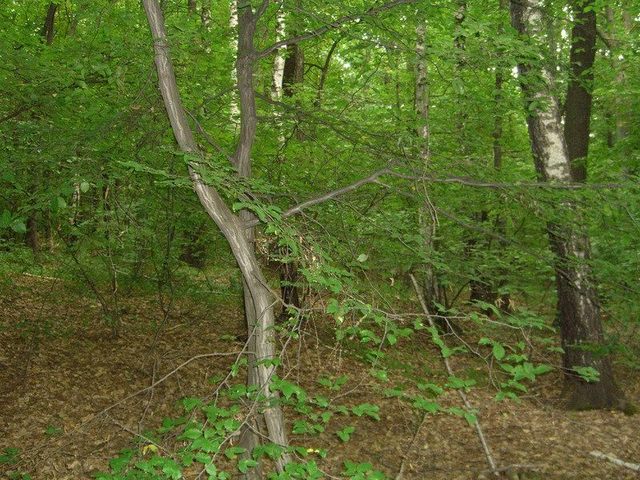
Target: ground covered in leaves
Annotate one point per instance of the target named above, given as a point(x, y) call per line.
point(72, 396)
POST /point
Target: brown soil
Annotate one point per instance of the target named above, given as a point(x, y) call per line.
point(59, 396)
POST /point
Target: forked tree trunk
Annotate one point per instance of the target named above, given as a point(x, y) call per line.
point(580, 323)
point(233, 228)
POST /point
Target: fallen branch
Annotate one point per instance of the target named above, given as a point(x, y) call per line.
point(615, 460)
point(41, 277)
point(483, 441)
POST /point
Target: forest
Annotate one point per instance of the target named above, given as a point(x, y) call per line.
point(296, 239)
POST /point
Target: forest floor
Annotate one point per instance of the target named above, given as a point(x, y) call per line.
point(61, 396)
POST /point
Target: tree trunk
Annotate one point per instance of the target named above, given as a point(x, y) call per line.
point(259, 297)
point(427, 214)
point(233, 27)
point(580, 324)
point(48, 27)
point(502, 301)
point(242, 162)
point(325, 72)
point(293, 73)
point(279, 58)
point(31, 237)
point(579, 93)
point(287, 271)
point(620, 108)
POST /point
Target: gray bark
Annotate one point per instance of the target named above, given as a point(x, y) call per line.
point(231, 226)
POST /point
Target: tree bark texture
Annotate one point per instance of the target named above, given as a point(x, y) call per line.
point(231, 226)
point(580, 323)
point(579, 93)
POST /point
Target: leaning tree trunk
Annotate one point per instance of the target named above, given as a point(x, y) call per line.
point(580, 323)
point(233, 228)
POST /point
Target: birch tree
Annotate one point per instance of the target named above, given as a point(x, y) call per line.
point(589, 376)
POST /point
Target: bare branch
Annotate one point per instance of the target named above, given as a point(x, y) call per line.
point(463, 396)
point(615, 460)
point(333, 25)
point(326, 196)
point(471, 182)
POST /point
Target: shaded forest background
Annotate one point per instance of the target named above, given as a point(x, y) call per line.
point(412, 251)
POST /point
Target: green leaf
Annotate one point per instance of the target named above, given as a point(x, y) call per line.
point(172, 469)
point(233, 452)
point(498, 351)
point(190, 403)
point(588, 374)
point(367, 409)
point(191, 433)
point(426, 405)
point(345, 433)
point(19, 226)
point(246, 464)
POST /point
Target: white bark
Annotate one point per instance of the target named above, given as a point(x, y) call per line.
point(278, 75)
point(233, 26)
point(278, 61)
point(422, 90)
point(550, 149)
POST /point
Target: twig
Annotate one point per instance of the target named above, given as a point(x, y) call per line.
point(413, 441)
point(487, 452)
point(42, 277)
point(615, 460)
point(337, 23)
point(326, 196)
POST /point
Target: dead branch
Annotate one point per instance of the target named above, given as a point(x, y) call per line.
point(615, 460)
point(483, 441)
